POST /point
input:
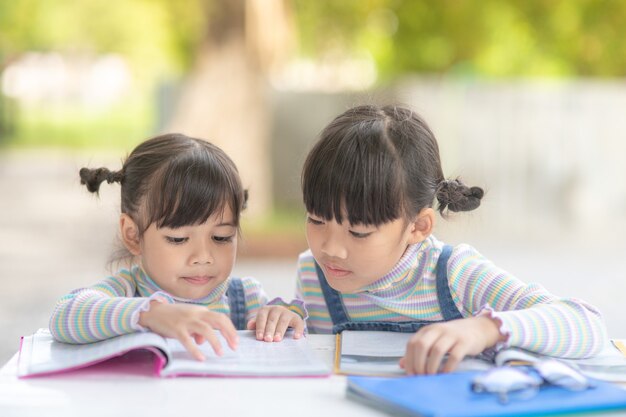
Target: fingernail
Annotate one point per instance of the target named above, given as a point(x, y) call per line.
point(277, 337)
point(259, 336)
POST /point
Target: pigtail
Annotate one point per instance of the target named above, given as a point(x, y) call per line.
point(92, 178)
point(456, 196)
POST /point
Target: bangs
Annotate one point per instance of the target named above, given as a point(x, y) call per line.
point(357, 176)
point(193, 188)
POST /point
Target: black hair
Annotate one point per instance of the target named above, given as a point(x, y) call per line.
point(173, 180)
point(378, 164)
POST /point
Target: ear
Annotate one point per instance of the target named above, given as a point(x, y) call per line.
point(422, 226)
point(130, 234)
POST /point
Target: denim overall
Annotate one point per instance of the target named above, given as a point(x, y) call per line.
point(237, 303)
point(341, 320)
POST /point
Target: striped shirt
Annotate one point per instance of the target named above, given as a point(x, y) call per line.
point(112, 306)
point(529, 316)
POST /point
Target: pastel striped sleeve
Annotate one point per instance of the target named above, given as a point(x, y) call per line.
point(102, 311)
point(254, 295)
point(531, 317)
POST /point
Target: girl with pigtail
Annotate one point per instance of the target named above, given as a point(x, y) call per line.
point(181, 200)
point(369, 185)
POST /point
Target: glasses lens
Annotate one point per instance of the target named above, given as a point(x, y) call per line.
point(504, 381)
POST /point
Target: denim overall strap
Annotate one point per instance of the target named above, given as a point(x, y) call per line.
point(341, 320)
point(336, 309)
point(449, 311)
point(237, 303)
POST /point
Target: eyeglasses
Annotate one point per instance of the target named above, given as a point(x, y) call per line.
point(523, 382)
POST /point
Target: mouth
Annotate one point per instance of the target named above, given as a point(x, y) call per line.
point(336, 271)
point(198, 279)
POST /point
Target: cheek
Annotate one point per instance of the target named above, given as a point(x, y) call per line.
point(312, 235)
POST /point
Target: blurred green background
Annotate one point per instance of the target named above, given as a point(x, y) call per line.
point(159, 43)
point(106, 74)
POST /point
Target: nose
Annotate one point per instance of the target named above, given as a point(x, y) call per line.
point(202, 254)
point(333, 246)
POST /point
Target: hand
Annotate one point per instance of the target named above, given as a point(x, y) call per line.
point(272, 322)
point(457, 338)
point(189, 324)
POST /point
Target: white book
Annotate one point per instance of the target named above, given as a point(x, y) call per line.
point(377, 353)
point(40, 355)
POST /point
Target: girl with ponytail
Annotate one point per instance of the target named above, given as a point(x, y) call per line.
point(181, 200)
point(369, 186)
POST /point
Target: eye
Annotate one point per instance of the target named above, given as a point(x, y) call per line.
point(176, 240)
point(313, 221)
point(223, 239)
point(360, 235)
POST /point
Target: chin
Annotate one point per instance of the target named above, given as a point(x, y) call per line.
point(343, 287)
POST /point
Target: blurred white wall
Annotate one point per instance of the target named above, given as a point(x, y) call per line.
point(550, 155)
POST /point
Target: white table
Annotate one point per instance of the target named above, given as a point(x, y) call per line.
point(109, 394)
point(104, 393)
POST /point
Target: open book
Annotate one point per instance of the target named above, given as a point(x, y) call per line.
point(376, 353)
point(41, 355)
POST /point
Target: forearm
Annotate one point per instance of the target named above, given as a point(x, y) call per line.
point(89, 316)
point(564, 328)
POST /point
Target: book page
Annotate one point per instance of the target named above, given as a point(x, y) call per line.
point(288, 357)
point(41, 354)
point(372, 352)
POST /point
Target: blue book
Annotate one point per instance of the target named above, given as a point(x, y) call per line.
point(450, 395)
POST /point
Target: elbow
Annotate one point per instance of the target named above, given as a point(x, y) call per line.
point(596, 336)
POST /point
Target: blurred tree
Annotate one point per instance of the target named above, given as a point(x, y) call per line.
point(225, 96)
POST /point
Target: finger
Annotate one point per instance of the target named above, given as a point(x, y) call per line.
point(209, 335)
point(457, 353)
point(418, 350)
point(261, 320)
point(226, 327)
point(189, 344)
point(402, 362)
point(251, 324)
point(298, 326)
point(437, 352)
point(283, 323)
point(270, 326)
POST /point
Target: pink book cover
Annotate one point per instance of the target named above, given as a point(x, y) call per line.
point(148, 354)
point(145, 360)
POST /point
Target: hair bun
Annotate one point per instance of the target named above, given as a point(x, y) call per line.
point(456, 196)
point(92, 178)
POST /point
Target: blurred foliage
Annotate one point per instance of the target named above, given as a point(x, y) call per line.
point(160, 40)
point(481, 37)
point(154, 35)
point(120, 127)
point(486, 38)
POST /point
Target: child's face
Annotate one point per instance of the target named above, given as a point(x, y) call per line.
point(190, 261)
point(354, 256)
